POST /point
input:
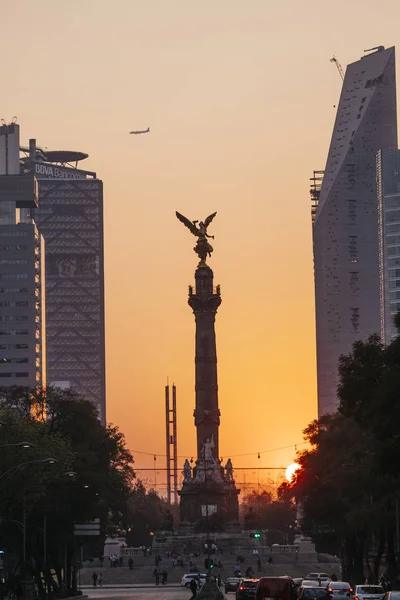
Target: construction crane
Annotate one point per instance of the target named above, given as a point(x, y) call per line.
point(338, 66)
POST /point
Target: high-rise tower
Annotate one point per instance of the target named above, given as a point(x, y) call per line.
point(388, 181)
point(345, 230)
point(70, 218)
point(22, 294)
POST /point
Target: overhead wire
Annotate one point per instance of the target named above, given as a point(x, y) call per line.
point(155, 454)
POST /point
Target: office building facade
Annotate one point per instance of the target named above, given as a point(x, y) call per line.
point(70, 218)
point(345, 229)
point(22, 293)
point(388, 184)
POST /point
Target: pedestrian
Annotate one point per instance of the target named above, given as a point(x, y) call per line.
point(94, 577)
point(100, 579)
point(193, 588)
point(249, 572)
point(259, 564)
point(121, 561)
point(219, 580)
point(157, 576)
point(164, 577)
point(130, 563)
point(333, 577)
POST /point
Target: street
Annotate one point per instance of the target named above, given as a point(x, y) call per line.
point(140, 593)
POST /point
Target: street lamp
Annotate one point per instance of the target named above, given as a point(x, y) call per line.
point(50, 461)
point(18, 445)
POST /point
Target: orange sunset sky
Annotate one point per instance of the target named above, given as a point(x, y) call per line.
point(240, 96)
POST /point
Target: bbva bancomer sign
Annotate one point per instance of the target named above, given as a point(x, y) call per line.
point(48, 171)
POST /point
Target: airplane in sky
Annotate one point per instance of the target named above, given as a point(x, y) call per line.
point(141, 131)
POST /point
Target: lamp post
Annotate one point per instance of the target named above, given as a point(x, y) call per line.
point(18, 445)
point(50, 461)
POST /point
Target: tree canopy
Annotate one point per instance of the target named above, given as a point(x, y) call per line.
point(349, 483)
point(91, 477)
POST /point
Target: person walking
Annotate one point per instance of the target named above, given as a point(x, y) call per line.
point(219, 580)
point(157, 576)
point(193, 588)
point(130, 563)
point(94, 578)
point(100, 579)
point(259, 564)
point(164, 577)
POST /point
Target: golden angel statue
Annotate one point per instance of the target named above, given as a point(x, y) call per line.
point(203, 248)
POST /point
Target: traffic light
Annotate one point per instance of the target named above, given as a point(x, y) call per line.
point(255, 534)
point(208, 563)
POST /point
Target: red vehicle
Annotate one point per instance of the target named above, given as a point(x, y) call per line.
point(275, 588)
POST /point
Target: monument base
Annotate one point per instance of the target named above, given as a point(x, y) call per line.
point(211, 507)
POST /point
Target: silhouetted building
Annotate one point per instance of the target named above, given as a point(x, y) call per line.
point(70, 218)
point(388, 182)
point(345, 230)
point(22, 336)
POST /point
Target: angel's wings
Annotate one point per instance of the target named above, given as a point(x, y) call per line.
point(209, 219)
point(188, 223)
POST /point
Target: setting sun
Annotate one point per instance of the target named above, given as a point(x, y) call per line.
point(291, 470)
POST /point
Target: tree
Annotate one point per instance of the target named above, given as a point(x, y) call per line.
point(260, 511)
point(63, 425)
point(349, 482)
point(146, 512)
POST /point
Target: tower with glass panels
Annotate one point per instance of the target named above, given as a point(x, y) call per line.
point(22, 290)
point(345, 228)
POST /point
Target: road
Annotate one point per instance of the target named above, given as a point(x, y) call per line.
point(140, 593)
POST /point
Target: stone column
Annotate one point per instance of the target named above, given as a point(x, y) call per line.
point(205, 300)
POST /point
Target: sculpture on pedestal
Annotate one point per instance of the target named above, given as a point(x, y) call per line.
point(210, 484)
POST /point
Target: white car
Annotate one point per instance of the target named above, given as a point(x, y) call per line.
point(187, 578)
point(310, 583)
point(369, 592)
point(318, 576)
point(340, 589)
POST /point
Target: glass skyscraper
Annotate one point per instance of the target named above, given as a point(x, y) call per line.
point(345, 228)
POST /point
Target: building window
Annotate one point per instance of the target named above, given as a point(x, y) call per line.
point(13, 275)
point(21, 262)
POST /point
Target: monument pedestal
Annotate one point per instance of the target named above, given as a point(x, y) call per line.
point(209, 507)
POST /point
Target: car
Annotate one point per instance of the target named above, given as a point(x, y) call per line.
point(246, 589)
point(231, 584)
point(187, 578)
point(312, 583)
point(392, 596)
point(314, 593)
point(318, 576)
point(278, 588)
point(340, 589)
point(369, 592)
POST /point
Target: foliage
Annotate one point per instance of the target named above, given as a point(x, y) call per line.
point(62, 425)
point(349, 482)
point(146, 512)
point(260, 511)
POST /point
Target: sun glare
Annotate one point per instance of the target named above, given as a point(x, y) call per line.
point(291, 470)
